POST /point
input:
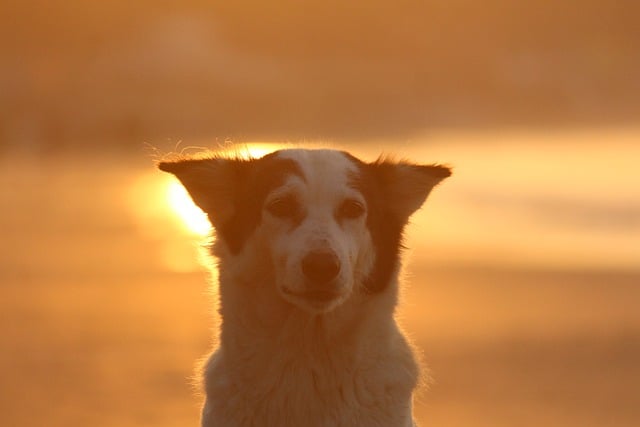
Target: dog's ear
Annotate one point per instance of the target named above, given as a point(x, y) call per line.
point(406, 185)
point(211, 183)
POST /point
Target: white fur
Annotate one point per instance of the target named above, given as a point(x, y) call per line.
point(285, 361)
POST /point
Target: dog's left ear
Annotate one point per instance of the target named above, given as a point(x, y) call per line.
point(406, 185)
point(211, 183)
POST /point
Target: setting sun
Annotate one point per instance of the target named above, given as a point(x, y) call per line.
point(181, 204)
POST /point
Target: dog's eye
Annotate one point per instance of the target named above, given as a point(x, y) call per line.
point(351, 209)
point(286, 207)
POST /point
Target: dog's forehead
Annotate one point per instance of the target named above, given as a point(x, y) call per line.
point(322, 167)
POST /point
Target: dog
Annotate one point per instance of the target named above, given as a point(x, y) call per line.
point(308, 244)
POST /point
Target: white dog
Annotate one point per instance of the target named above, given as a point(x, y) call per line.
point(308, 243)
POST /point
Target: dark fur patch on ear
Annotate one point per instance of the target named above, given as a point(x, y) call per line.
point(392, 191)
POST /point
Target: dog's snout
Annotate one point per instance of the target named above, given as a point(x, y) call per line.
point(320, 267)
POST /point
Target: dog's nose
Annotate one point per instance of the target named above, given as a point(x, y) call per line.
point(320, 267)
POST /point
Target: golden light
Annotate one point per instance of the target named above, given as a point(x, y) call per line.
point(191, 216)
point(252, 150)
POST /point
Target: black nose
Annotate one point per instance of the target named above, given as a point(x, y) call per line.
point(320, 267)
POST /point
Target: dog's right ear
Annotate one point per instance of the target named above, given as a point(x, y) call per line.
point(211, 183)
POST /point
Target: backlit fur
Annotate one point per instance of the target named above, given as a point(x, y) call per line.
point(299, 346)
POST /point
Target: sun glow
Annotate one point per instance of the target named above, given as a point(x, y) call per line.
point(252, 150)
point(192, 217)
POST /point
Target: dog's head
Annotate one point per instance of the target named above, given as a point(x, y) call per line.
point(329, 224)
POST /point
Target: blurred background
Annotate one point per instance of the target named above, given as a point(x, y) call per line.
point(523, 270)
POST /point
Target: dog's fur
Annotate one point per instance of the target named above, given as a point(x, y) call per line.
point(308, 243)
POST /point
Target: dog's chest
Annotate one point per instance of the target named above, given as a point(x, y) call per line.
point(294, 392)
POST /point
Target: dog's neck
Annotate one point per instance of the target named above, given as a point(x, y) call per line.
point(264, 322)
